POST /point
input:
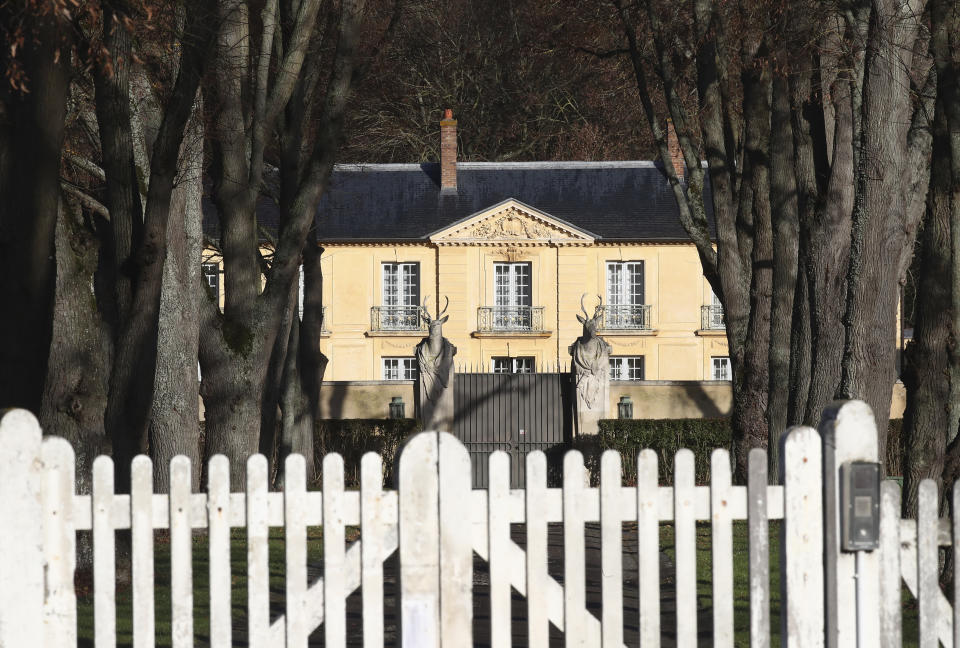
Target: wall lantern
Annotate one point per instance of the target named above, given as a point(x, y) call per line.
point(625, 408)
point(397, 408)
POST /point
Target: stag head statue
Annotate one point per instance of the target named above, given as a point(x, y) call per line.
point(435, 324)
point(590, 323)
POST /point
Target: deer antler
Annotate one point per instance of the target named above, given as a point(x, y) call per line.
point(424, 313)
point(584, 308)
point(445, 306)
point(599, 308)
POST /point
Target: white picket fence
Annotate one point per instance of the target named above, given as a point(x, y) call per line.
point(437, 522)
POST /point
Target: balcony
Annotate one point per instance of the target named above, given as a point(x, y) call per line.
point(711, 318)
point(634, 317)
point(503, 320)
point(396, 319)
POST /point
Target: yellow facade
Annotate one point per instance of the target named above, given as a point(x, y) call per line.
point(563, 264)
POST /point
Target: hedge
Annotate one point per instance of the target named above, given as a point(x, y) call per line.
point(352, 438)
point(666, 436)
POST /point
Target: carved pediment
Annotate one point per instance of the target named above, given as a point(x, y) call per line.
point(511, 223)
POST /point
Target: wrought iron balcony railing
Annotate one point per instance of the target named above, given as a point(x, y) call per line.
point(396, 318)
point(711, 318)
point(630, 317)
point(502, 318)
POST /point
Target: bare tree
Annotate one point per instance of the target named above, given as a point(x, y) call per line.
point(298, 65)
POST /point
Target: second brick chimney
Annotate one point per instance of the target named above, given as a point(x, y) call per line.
point(676, 153)
point(448, 152)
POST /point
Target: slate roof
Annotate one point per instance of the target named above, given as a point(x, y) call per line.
point(618, 201)
point(613, 201)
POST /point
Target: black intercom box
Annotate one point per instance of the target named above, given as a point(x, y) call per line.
point(859, 506)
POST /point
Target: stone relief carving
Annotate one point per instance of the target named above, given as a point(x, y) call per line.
point(512, 224)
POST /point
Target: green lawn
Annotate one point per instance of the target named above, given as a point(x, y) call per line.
point(741, 581)
point(741, 591)
point(201, 596)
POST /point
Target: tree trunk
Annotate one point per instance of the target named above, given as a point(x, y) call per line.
point(926, 373)
point(945, 195)
point(883, 228)
point(175, 416)
point(828, 252)
point(33, 126)
point(800, 352)
point(232, 389)
point(75, 393)
point(750, 403)
point(783, 205)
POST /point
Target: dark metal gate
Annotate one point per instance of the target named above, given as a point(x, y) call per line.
point(516, 413)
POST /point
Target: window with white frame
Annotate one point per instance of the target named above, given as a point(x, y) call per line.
point(626, 368)
point(401, 295)
point(721, 368)
point(511, 295)
point(511, 364)
point(625, 283)
point(625, 296)
point(399, 368)
point(211, 274)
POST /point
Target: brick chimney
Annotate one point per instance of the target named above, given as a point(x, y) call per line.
point(676, 153)
point(448, 152)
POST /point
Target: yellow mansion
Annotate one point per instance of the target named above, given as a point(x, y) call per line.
point(514, 247)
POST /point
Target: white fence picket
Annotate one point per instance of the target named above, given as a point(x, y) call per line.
point(218, 525)
point(538, 626)
point(21, 542)
point(928, 563)
point(611, 550)
point(141, 525)
point(295, 543)
point(371, 548)
point(258, 548)
point(104, 561)
point(891, 632)
point(419, 532)
point(334, 588)
point(759, 551)
point(648, 548)
point(181, 554)
point(574, 598)
point(801, 544)
point(59, 544)
point(456, 543)
point(685, 546)
point(498, 534)
point(721, 546)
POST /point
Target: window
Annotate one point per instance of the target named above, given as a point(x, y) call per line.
point(713, 314)
point(211, 274)
point(399, 368)
point(625, 307)
point(511, 296)
point(721, 368)
point(625, 283)
point(626, 368)
point(401, 296)
point(508, 364)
